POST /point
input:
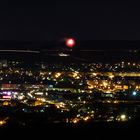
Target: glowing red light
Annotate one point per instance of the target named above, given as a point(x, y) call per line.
point(70, 42)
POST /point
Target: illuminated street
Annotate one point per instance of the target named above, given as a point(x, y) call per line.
point(39, 93)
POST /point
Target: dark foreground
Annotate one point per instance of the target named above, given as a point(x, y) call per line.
point(123, 130)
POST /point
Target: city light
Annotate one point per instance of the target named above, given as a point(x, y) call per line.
point(123, 117)
point(86, 118)
point(57, 75)
point(69, 90)
point(111, 76)
point(2, 122)
point(134, 93)
point(63, 54)
point(75, 120)
point(39, 93)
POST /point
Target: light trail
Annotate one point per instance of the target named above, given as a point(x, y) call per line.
point(20, 51)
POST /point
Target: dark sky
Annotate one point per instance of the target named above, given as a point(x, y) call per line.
point(27, 20)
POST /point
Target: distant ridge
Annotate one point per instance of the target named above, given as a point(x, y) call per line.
point(80, 45)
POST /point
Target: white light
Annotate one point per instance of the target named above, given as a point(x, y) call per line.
point(39, 93)
point(62, 54)
point(134, 93)
point(123, 116)
point(20, 97)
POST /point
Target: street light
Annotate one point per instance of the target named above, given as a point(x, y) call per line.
point(134, 93)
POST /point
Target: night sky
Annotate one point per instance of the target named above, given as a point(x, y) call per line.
point(45, 21)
